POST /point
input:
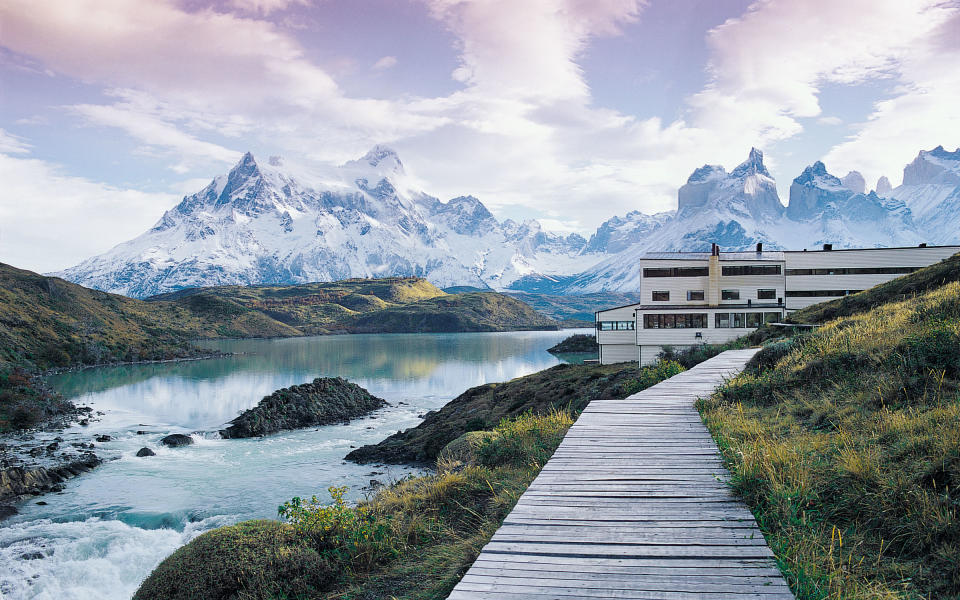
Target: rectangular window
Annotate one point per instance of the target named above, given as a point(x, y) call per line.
point(616, 325)
point(819, 293)
point(730, 295)
point(694, 295)
point(750, 270)
point(754, 320)
point(675, 321)
point(661, 296)
point(723, 320)
point(771, 317)
point(854, 271)
point(677, 272)
point(739, 320)
point(766, 294)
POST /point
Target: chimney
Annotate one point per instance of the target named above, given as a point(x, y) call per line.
point(759, 247)
point(713, 286)
point(923, 245)
point(828, 247)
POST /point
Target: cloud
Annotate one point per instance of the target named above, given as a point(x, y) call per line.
point(387, 62)
point(922, 114)
point(49, 221)
point(830, 120)
point(265, 7)
point(12, 144)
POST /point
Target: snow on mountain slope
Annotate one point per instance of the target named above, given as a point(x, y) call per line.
point(931, 190)
point(262, 224)
point(738, 209)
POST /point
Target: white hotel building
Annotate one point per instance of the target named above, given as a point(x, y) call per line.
point(691, 298)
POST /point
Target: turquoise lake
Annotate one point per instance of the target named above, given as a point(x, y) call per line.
point(110, 527)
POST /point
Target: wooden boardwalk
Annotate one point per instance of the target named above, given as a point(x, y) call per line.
point(633, 504)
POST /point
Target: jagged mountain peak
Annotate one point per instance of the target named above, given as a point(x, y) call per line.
point(883, 186)
point(854, 182)
point(752, 166)
point(383, 158)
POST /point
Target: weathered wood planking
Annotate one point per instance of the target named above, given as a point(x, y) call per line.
point(633, 504)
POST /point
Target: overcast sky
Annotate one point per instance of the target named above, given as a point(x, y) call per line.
point(569, 111)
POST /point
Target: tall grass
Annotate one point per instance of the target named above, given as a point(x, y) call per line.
point(846, 444)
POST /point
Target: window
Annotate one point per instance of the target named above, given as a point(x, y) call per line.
point(694, 295)
point(675, 321)
point(819, 293)
point(615, 325)
point(854, 271)
point(766, 294)
point(661, 296)
point(750, 270)
point(677, 272)
point(745, 320)
point(730, 295)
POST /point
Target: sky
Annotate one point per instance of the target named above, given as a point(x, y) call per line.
point(567, 111)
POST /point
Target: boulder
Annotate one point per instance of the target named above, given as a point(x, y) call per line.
point(145, 452)
point(175, 440)
point(324, 401)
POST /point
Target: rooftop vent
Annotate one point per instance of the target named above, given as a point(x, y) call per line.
point(923, 245)
point(759, 246)
point(828, 247)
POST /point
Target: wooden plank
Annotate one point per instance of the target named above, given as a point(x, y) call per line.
point(633, 504)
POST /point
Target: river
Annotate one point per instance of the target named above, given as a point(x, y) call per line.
point(107, 530)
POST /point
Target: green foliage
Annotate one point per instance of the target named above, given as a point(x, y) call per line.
point(525, 441)
point(845, 441)
point(654, 374)
point(354, 537)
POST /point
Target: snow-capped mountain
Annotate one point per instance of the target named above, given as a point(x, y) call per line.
point(931, 190)
point(261, 223)
point(738, 209)
point(269, 223)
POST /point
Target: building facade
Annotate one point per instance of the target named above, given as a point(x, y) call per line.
point(691, 298)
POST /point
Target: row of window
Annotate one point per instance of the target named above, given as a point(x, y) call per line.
point(616, 325)
point(745, 320)
point(729, 271)
point(750, 320)
point(693, 295)
point(854, 271)
point(819, 293)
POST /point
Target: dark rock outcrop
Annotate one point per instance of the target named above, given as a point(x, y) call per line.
point(324, 401)
point(175, 440)
point(17, 483)
point(580, 342)
point(145, 452)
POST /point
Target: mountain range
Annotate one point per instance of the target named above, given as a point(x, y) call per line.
point(268, 223)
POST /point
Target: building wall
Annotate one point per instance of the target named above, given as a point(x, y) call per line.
point(678, 286)
point(615, 353)
point(862, 258)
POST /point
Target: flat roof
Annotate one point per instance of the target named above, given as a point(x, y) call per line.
point(745, 255)
point(689, 307)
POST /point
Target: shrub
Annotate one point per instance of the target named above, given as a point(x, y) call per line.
point(251, 560)
point(654, 374)
point(526, 441)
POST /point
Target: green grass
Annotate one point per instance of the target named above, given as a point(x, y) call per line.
point(845, 442)
point(412, 540)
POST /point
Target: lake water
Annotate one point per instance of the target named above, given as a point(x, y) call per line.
point(110, 527)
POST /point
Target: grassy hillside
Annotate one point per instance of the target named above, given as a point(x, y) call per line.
point(389, 305)
point(477, 311)
point(314, 308)
point(845, 442)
